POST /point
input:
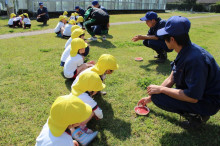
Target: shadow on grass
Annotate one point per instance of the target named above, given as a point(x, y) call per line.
point(119, 128)
point(163, 68)
point(42, 25)
point(104, 44)
point(206, 135)
point(68, 82)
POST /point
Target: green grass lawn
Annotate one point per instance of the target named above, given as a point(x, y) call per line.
point(31, 79)
point(4, 29)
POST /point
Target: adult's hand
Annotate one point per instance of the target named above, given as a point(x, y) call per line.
point(136, 38)
point(154, 89)
point(144, 101)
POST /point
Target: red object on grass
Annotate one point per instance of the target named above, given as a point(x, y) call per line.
point(141, 110)
point(138, 59)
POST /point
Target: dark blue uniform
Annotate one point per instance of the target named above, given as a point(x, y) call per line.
point(157, 45)
point(196, 72)
point(43, 18)
point(81, 12)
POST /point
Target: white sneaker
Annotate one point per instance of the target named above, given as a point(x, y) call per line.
point(93, 38)
point(103, 37)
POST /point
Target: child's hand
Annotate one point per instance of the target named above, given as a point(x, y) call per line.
point(75, 143)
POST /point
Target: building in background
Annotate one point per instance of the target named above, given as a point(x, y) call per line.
point(69, 5)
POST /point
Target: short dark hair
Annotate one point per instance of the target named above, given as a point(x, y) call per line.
point(182, 40)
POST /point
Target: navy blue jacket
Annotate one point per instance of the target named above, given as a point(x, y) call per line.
point(44, 10)
point(81, 12)
point(197, 74)
point(160, 24)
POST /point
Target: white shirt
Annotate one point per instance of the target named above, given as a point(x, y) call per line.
point(66, 54)
point(17, 18)
point(27, 21)
point(67, 30)
point(72, 18)
point(46, 138)
point(58, 27)
point(10, 21)
point(87, 99)
point(71, 65)
point(68, 42)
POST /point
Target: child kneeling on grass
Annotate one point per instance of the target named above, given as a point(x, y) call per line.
point(10, 21)
point(80, 21)
point(27, 21)
point(68, 42)
point(60, 25)
point(17, 21)
point(68, 112)
point(77, 33)
point(75, 62)
point(67, 28)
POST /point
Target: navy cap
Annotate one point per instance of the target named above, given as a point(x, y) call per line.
point(77, 7)
point(94, 3)
point(41, 3)
point(149, 16)
point(175, 25)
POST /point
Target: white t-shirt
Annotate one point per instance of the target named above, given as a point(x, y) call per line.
point(68, 42)
point(71, 65)
point(27, 21)
point(79, 25)
point(58, 27)
point(72, 18)
point(87, 99)
point(46, 138)
point(67, 30)
point(10, 21)
point(66, 54)
point(17, 18)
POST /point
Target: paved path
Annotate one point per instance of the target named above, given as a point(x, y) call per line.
point(6, 36)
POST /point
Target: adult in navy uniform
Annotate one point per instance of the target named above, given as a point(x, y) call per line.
point(151, 40)
point(195, 74)
point(80, 11)
point(42, 14)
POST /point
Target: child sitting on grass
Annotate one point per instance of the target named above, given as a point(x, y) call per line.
point(67, 113)
point(68, 42)
point(17, 21)
point(60, 25)
point(27, 21)
point(65, 13)
point(77, 33)
point(67, 28)
point(80, 21)
point(75, 62)
point(10, 21)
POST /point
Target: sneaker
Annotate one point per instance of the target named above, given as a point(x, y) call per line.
point(194, 121)
point(103, 37)
point(103, 92)
point(93, 38)
point(162, 57)
point(157, 56)
point(82, 137)
point(62, 63)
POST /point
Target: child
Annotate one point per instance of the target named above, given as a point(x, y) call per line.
point(72, 17)
point(68, 112)
point(80, 21)
point(77, 33)
point(60, 24)
point(10, 21)
point(67, 29)
point(65, 13)
point(70, 39)
point(76, 15)
point(18, 21)
point(105, 65)
point(27, 21)
point(74, 63)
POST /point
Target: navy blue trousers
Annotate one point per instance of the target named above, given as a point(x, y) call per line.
point(202, 107)
point(157, 45)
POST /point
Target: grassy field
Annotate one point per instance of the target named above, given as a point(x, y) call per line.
point(31, 79)
point(4, 29)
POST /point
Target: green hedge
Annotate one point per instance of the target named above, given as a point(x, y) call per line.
point(186, 7)
point(215, 8)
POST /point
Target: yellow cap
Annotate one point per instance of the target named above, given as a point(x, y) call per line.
point(72, 14)
point(21, 15)
point(66, 18)
point(72, 22)
point(74, 27)
point(61, 17)
point(65, 111)
point(88, 81)
point(77, 44)
point(12, 15)
point(80, 19)
point(25, 14)
point(77, 32)
point(76, 14)
point(65, 13)
point(105, 62)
